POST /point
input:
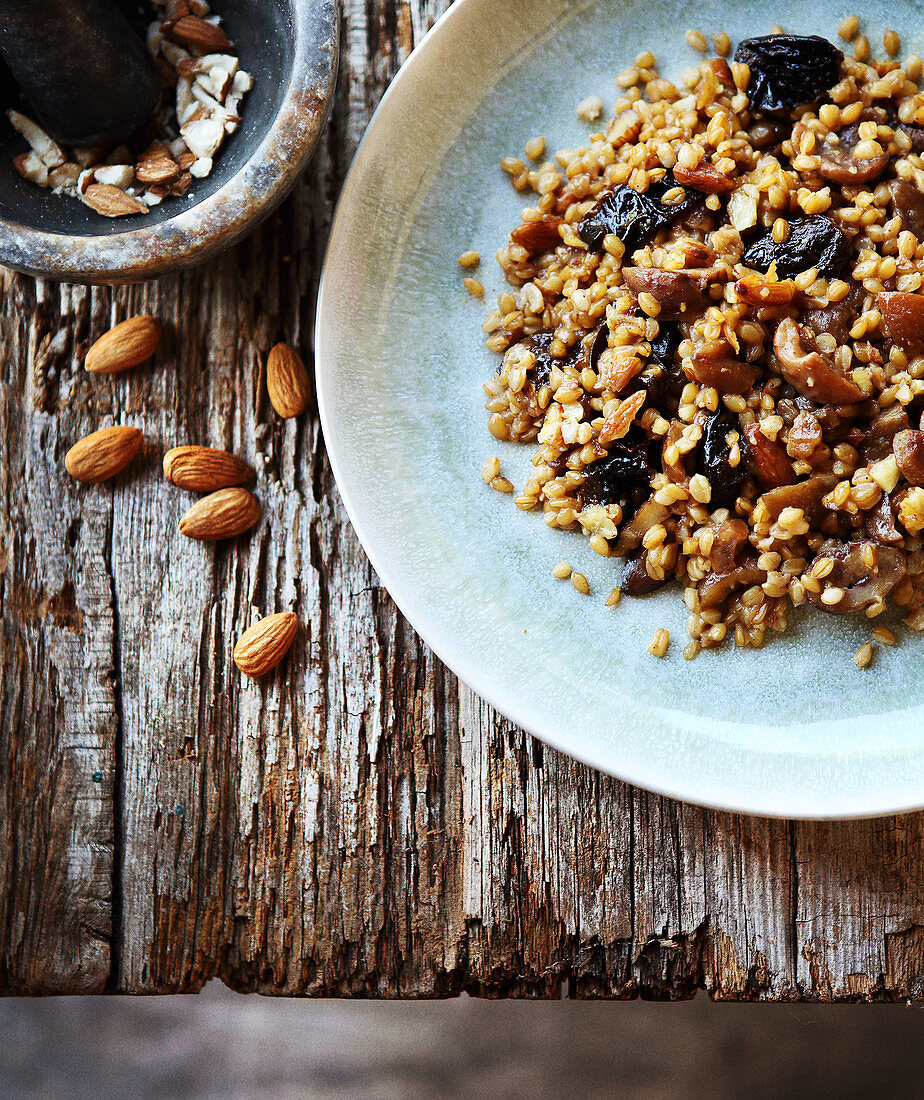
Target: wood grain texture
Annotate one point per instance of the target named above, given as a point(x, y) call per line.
point(358, 822)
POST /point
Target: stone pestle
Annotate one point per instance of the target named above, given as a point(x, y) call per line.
point(86, 73)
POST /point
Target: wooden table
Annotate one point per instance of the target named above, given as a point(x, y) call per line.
point(359, 823)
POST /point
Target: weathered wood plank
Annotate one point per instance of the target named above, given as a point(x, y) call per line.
point(294, 835)
point(359, 823)
point(58, 705)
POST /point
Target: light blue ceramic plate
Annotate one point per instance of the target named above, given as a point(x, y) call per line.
point(794, 729)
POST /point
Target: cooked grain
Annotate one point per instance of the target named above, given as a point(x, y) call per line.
point(573, 411)
point(490, 469)
point(848, 28)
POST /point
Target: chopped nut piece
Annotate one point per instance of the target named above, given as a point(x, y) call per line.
point(756, 290)
point(705, 177)
point(590, 109)
point(31, 167)
point(885, 474)
point(43, 145)
point(809, 371)
point(911, 510)
point(118, 175)
point(111, 201)
point(618, 422)
point(203, 135)
point(538, 236)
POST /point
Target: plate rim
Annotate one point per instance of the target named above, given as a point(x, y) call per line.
point(402, 594)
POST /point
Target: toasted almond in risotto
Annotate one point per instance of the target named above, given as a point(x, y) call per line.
point(715, 336)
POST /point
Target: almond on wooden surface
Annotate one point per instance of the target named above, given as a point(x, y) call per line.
point(104, 453)
point(262, 646)
point(221, 515)
point(205, 469)
point(129, 343)
point(287, 381)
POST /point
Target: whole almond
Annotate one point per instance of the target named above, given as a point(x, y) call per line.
point(157, 170)
point(128, 344)
point(287, 381)
point(103, 454)
point(262, 646)
point(112, 201)
point(221, 515)
point(193, 31)
point(204, 469)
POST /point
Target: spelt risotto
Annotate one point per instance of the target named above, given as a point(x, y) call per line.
point(714, 334)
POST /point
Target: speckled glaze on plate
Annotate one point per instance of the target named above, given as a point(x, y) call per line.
point(792, 730)
point(291, 49)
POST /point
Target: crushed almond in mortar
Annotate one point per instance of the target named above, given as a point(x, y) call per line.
point(202, 90)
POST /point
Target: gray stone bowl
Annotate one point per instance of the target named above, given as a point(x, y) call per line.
point(291, 48)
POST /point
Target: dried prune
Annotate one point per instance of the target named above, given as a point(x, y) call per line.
point(916, 133)
point(663, 352)
point(675, 291)
point(715, 588)
point(863, 587)
point(635, 580)
point(838, 318)
point(584, 353)
point(634, 216)
point(590, 349)
point(838, 164)
point(812, 242)
point(903, 315)
point(908, 203)
point(712, 458)
point(880, 433)
point(625, 470)
point(710, 366)
point(768, 133)
point(788, 69)
point(664, 346)
point(879, 523)
point(539, 344)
